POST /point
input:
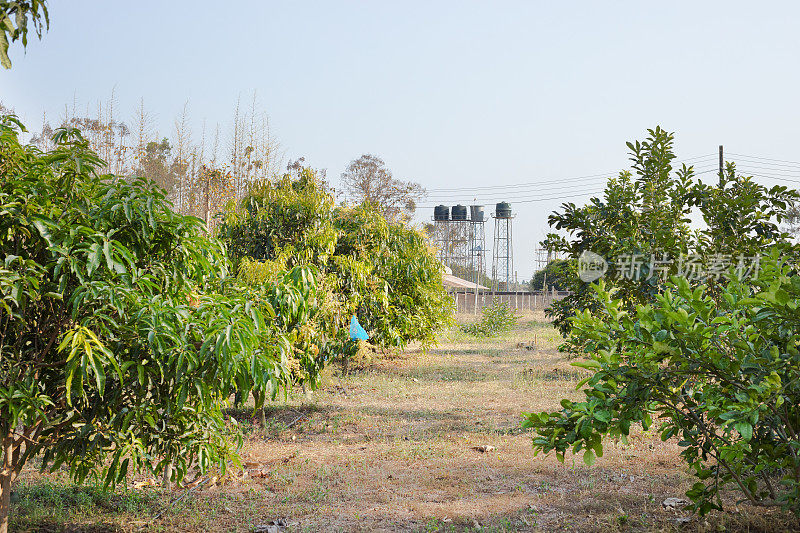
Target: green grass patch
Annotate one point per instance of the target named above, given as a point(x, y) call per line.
point(52, 506)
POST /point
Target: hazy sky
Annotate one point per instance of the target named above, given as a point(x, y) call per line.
point(456, 95)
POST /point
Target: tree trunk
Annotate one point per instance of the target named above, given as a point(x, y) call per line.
point(167, 480)
point(6, 474)
point(5, 501)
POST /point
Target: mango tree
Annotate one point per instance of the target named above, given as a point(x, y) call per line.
point(384, 272)
point(122, 333)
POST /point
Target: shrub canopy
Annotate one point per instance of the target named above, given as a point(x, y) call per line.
point(646, 215)
point(122, 332)
point(384, 272)
point(713, 359)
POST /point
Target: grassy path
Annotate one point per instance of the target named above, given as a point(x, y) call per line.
point(397, 448)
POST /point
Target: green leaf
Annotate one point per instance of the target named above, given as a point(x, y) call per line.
point(782, 297)
point(589, 457)
point(588, 364)
point(745, 429)
point(4, 59)
point(42, 223)
point(603, 416)
point(107, 253)
point(93, 258)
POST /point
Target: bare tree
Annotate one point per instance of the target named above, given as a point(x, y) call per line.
point(368, 180)
point(201, 175)
point(106, 135)
point(253, 151)
point(43, 139)
point(144, 133)
point(182, 147)
point(263, 150)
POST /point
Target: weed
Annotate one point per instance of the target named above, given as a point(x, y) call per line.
point(497, 319)
point(36, 505)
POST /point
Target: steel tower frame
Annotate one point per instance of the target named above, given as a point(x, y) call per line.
point(477, 247)
point(502, 253)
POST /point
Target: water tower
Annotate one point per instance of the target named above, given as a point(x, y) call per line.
point(503, 252)
point(441, 231)
point(477, 237)
point(459, 237)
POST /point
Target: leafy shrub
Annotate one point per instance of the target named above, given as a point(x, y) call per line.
point(495, 321)
point(390, 276)
point(647, 212)
point(714, 360)
point(721, 373)
point(384, 273)
point(122, 331)
point(555, 275)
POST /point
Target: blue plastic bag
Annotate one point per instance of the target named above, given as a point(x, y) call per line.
point(356, 331)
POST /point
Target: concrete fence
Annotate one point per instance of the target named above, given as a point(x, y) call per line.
point(465, 301)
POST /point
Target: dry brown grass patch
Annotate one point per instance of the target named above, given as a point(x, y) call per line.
point(390, 448)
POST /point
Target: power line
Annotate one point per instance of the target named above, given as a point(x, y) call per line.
point(537, 187)
point(766, 158)
point(533, 200)
point(777, 166)
point(528, 184)
point(546, 194)
point(503, 195)
point(705, 159)
point(778, 170)
point(492, 194)
point(706, 164)
point(779, 178)
point(705, 156)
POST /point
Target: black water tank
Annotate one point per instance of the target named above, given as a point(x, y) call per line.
point(502, 210)
point(476, 213)
point(459, 212)
point(441, 212)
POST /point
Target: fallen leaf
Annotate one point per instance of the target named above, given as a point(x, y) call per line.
point(145, 483)
point(673, 504)
point(483, 448)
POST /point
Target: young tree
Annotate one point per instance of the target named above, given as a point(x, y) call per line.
point(712, 353)
point(645, 214)
point(719, 373)
point(552, 276)
point(155, 163)
point(122, 333)
point(368, 180)
point(383, 272)
point(397, 288)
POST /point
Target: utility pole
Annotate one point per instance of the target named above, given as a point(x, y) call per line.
point(721, 166)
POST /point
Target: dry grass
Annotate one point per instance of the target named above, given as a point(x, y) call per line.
point(391, 449)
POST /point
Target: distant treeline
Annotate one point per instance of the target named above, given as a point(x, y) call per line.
point(200, 170)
